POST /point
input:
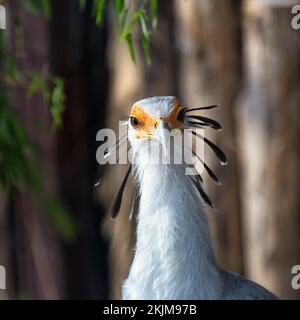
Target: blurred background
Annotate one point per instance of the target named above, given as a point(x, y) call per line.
point(66, 72)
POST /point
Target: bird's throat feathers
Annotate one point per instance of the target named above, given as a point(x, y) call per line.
point(168, 197)
point(172, 239)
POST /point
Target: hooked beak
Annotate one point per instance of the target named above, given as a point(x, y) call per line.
point(161, 134)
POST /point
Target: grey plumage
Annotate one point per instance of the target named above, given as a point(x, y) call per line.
point(240, 288)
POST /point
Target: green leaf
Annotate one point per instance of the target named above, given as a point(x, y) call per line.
point(145, 37)
point(53, 93)
point(154, 13)
point(146, 47)
point(61, 219)
point(145, 31)
point(12, 73)
point(144, 24)
point(16, 166)
point(57, 102)
point(123, 20)
point(100, 4)
point(130, 46)
point(82, 4)
point(47, 8)
point(132, 24)
point(119, 6)
point(36, 7)
point(33, 7)
point(36, 84)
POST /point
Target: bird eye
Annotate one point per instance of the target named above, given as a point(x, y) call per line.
point(181, 115)
point(135, 122)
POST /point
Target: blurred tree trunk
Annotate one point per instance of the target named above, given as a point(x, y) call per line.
point(4, 245)
point(160, 78)
point(269, 141)
point(4, 230)
point(35, 248)
point(79, 56)
point(129, 84)
point(125, 88)
point(210, 73)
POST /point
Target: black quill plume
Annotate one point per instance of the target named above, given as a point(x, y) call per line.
point(117, 203)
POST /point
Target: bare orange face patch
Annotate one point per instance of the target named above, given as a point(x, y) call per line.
point(146, 125)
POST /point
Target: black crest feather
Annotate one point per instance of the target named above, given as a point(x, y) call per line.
point(117, 203)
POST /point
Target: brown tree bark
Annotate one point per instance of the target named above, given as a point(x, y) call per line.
point(4, 230)
point(161, 77)
point(269, 142)
point(210, 73)
point(34, 246)
point(4, 247)
point(78, 49)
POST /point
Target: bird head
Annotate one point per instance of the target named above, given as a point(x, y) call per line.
point(151, 122)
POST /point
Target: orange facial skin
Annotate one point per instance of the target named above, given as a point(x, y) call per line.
point(149, 124)
point(171, 119)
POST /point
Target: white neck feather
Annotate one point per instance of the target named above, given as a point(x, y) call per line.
point(174, 258)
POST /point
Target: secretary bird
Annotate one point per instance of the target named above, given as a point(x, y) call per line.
point(173, 258)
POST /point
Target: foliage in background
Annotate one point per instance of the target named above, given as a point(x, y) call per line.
point(15, 167)
point(52, 89)
point(19, 168)
point(60, 218)
point(19, 165)
point(129, 15)
point(38, 6)
point(128, 18)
